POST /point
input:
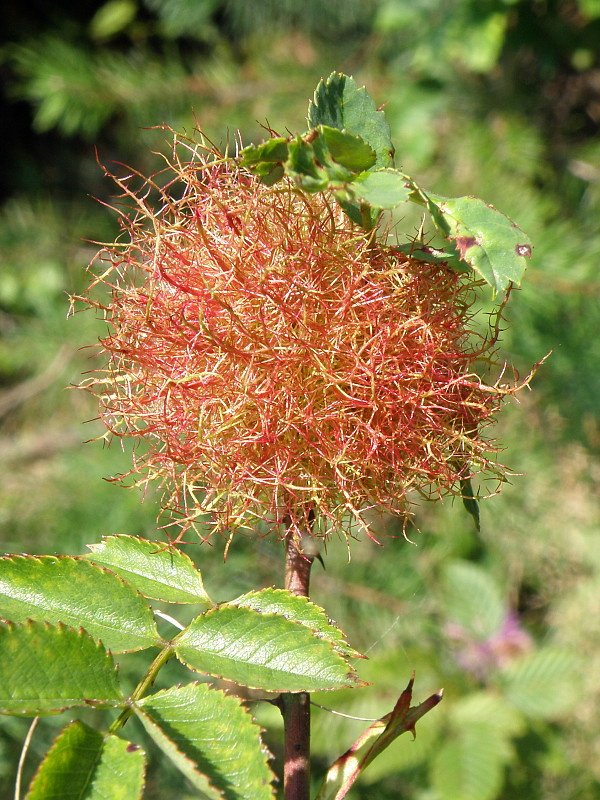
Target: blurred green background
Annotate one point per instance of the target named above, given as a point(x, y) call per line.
point(496, 98)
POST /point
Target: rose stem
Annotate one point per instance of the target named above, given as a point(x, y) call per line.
point(295, 708)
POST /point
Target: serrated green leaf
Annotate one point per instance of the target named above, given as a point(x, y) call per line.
point(44, 670)
point(486, 239)
point(339, 103)
point(262, 651)
point(329, 156)
point(432, 255)
point(268, 173)
point(374, 741)
point(186, 765)
point(337, 174)
point(543, 684)
point(348, 149)
point(84, 764)
point(266, 160)
point(274, 150)
point(300, 610)
point(470, 764)
point(472, 599)
point(212, 739)
point(386, 188)
point(303, 167)
point(155, 570)
point(356, 212)
point(79, 594)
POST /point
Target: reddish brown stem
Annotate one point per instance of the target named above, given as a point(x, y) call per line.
point(295, 708)
point(296, 769)
point(297, 569)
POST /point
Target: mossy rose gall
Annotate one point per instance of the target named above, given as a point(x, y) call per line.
point(278, 364)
